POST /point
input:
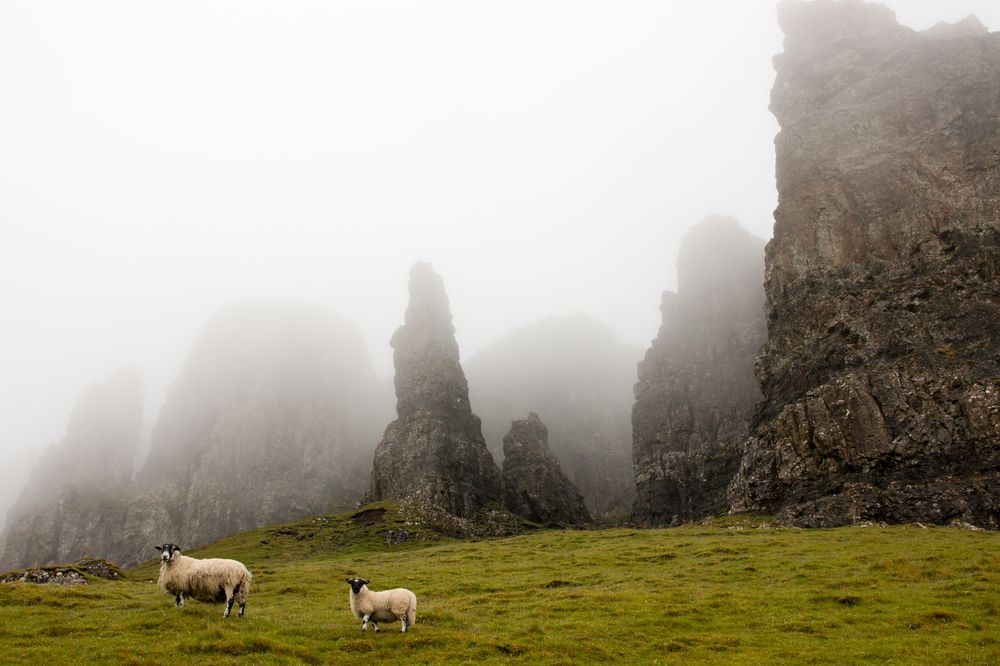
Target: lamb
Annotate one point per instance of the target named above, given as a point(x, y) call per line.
point(387, 605)
point(212, 580)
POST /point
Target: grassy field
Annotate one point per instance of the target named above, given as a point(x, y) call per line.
point(726, 592)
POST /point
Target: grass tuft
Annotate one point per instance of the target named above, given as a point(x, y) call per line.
point(553, 584)
point(510, 650)
point(938, 617)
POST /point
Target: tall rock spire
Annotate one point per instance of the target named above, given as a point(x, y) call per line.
point(429, 378)
point(435, 449)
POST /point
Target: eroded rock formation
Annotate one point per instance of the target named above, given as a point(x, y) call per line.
point(881, 375)
point(534, 486)
point(578, 377)
point(696, 389)
point(270, 420)
point(59, 516)
point(434, 450)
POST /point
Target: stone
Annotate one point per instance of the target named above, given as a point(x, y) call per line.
point(578, 376)
point(534, 486)
point(433, 453)
point(881, 374)
point(66, 574)
point(696, 389)
point(79, 482)
point(270, 420)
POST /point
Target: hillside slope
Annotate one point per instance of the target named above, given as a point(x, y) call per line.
point(735, 592)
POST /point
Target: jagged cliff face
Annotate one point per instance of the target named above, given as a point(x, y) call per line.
point(534, 486)
point(696, 389)
point(434, 451)
point(271, 419)
point(58, 516)
point(880, 374)
point(578, 377)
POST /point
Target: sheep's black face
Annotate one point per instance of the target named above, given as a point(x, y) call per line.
point(356, 584)
point(167, 551)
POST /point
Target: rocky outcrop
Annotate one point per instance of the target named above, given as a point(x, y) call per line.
point(67, 575)
point(434, 450)
point(578, 377)
point(696, 390)
point(534, 486)
point(270, 420)
point(59, 516)
point(881, 375)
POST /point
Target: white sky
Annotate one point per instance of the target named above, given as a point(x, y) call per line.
point(159, 160)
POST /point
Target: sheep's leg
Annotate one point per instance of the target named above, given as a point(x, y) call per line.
point(230, 598)
point(375, 624)
point(364, 623)
point(403, 620)
point(243, 606)
point(179, 600)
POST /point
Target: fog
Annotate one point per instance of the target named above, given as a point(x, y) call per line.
point(158, 162)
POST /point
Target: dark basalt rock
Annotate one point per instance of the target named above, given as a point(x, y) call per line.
point(575, 373)
point(881, 375)
point(696, 389)
point(434, 450)
point(534, 486)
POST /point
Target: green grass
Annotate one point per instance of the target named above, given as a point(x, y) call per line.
point(723, 592)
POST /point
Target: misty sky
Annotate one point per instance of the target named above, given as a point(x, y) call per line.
point(160, 160)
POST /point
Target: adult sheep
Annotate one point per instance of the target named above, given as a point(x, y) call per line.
point(385, 606)
point(212, 581)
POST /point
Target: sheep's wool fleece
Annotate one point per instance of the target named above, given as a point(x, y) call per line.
point(385, 606)
point(203, 580)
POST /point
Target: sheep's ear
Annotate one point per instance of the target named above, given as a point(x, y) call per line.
point(347, 580)
point(364, 582)
point(157, 547)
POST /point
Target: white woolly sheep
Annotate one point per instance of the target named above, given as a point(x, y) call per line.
point(385, 606)
point(212, 581)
